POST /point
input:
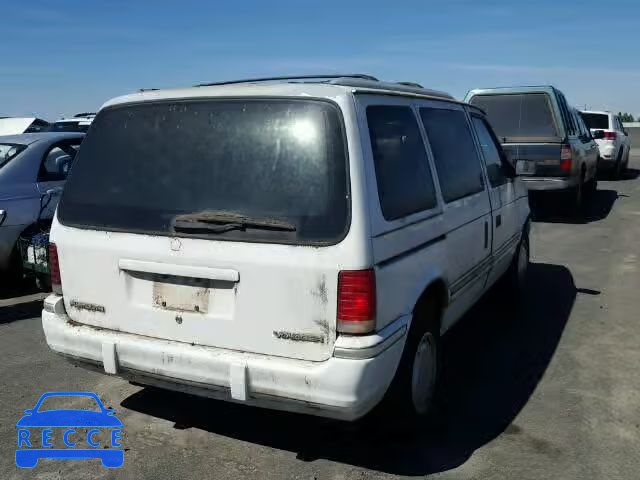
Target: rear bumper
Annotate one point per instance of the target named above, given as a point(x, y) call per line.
point(346, 386)
point(608, 154)
point(548, 183)
point(607, 162)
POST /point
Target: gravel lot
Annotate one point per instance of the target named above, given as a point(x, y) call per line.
point(550, 392)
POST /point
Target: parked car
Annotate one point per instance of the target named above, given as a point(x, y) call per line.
point(543, 136)
point(612, 138)
point(77, 123)
point(31, 165)
point(296, 244)
point(18, 125)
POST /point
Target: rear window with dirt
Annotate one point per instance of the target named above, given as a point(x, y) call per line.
point(526, 116)
point(252, 170)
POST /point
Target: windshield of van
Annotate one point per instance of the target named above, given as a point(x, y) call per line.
point(8, 151)
point(525, 116)
point(596, 121)
point(256, 170)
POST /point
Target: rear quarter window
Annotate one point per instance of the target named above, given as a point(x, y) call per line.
point(404, 180)
point(454, 152)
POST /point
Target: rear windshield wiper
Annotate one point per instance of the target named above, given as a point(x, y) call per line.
point(220, 222)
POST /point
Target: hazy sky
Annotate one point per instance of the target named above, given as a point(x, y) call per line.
point(62, 57)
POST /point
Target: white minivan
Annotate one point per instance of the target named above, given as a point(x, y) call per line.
point(291, 243)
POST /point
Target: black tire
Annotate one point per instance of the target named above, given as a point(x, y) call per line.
point(578, 193)
point(402, 402)
point(591, 186)
point(11, 280)
point(516, 277)
point(43, 283)
point(624, 167)
point(616, 173)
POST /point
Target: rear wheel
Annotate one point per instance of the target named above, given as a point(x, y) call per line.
point(617, 168)
point(43, 282)
point(578, 193)
point(413, 393)
point(11, 279)
point(625, 165)
point(592, 185)
point(516, 277)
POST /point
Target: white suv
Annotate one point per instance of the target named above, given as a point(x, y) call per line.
point(78, 123)
point(298, 244)
point(612, 139)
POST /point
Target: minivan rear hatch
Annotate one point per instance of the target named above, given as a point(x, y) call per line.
point(209, 222)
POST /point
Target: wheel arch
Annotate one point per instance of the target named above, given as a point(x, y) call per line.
point(436, 287)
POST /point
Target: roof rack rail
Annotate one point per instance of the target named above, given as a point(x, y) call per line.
point(410, 84)
point(361, 76)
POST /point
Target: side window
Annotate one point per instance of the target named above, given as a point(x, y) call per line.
point(566, 113)
point(454, 152)
point(583, 127)
point(579, 130)
point(405, 183)
point(57, 162)
point(37, 126)
point(563, 112)
point(491, 152)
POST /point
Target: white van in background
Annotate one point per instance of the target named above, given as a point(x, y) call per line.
point(292, 243)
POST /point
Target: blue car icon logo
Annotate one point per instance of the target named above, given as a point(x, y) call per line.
point(37, 429)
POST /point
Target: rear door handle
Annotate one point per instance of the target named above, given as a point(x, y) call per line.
point(486, 234)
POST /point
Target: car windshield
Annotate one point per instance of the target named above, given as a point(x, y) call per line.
point(8, 151)
point(143, 167)
point(596, 121)
point(518, 115)
point(66, 402)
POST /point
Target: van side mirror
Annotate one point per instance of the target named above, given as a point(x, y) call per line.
point(598, 134)
point(63, 165)
point(509, 168)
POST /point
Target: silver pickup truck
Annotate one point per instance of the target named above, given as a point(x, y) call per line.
point(543, 136)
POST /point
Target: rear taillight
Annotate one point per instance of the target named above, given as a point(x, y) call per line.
point(356, 301)
point(54, 267)
point(609, 136)
point(565, 158)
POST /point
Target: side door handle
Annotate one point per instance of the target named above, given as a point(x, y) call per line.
point(54, 191)
point(486, 234)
